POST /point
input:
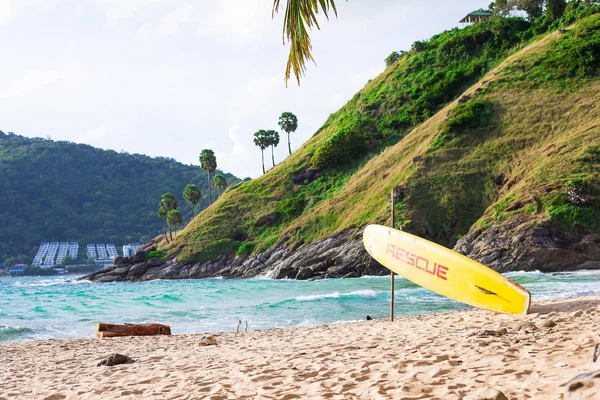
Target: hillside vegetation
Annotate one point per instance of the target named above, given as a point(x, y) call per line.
point(523, 142)
point(56, 191)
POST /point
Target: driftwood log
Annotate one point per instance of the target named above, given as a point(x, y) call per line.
point(112, 330)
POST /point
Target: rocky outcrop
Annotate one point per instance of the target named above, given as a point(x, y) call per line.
point(517, 245)
point(339, 256)
point(523, 245)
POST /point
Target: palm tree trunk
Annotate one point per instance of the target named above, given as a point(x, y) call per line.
point(273, 155)
point(170, 232)
point(262, 153)
point(165, 228)
point(289, 145)
point(209, 192)
point(193, 211)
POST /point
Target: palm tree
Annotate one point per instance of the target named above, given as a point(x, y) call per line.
point(169, 202)
point(273, 142)
point(175, 219)
point(208, 162)
point(300, 16)
point(219, 182)
point(162, 213)
point(289, 123)
point(261, 139)
point(192, 195)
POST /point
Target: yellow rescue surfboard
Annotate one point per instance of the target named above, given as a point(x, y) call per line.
point(444, 271)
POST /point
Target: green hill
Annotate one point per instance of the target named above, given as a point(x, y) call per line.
point(492, 128)
point(55, 191)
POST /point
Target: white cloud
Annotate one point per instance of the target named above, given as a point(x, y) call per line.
point(93, 135)
point(29, 83)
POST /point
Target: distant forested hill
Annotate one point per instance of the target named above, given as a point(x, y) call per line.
point(58, 191)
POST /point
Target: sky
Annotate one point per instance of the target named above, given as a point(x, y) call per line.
point(172, 77)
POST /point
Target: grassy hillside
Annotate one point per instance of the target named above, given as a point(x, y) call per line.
point(55, 191)
point(524, 138)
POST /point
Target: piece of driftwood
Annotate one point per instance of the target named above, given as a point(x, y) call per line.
point(113, 330)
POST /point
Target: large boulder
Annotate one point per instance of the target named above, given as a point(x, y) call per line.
point(524, 245)
point(140, 256)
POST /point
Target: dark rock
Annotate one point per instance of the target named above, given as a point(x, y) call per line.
point(515, 206)
point(140, 256)
point(305, 273)
point(267, 219)
point(338, 271)
point(118, 260)
point(208, 340)
point(137, 271)
point(464, 99)
point(155, 262)
point(369, 318)
point(125, 261)
point(286, 272)
point(500, 180)
point(115, 359)
point(305, 175)
point(523, 245)
point(352, 274)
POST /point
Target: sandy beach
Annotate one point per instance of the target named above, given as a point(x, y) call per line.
point(450, 355)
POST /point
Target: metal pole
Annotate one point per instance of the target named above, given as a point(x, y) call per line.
point(392, 272)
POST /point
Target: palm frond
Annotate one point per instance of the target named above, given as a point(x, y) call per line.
point(300, 16)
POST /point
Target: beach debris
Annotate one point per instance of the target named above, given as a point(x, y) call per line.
point(488, 394)
point(595, 355)
point(240, 325)
point(369, 318)
point(113, 330)
point(583, 386)
point(115, 359)
point(560, 365)
point(208, 340)
point(577, 314)
point(547, 324)
point(526, 326)
point(489, 332)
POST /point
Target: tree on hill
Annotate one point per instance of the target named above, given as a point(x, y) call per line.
point(273, 142)
point(208, 162)
point(534, 9)
point(288, 123)
point(192, 195)
point(392, 58)
point(175, 220)
point(169, 202)
point(219, 182)
point(261, 139)
point(162, 213)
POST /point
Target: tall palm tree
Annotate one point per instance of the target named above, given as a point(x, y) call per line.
point(162, 213)
point(219, 182)
point(273, 142)
point(289, 123)
point(169, 202)
point(192, 195)
point(208, 162)
point(299, 17)
point(261, 139)
point(174, 219)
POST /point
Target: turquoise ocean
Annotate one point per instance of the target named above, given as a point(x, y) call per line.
point(33, 308)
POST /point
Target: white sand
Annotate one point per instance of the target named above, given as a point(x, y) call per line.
point(431, 356)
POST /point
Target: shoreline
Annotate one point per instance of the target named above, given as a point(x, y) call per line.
point(449, 355)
